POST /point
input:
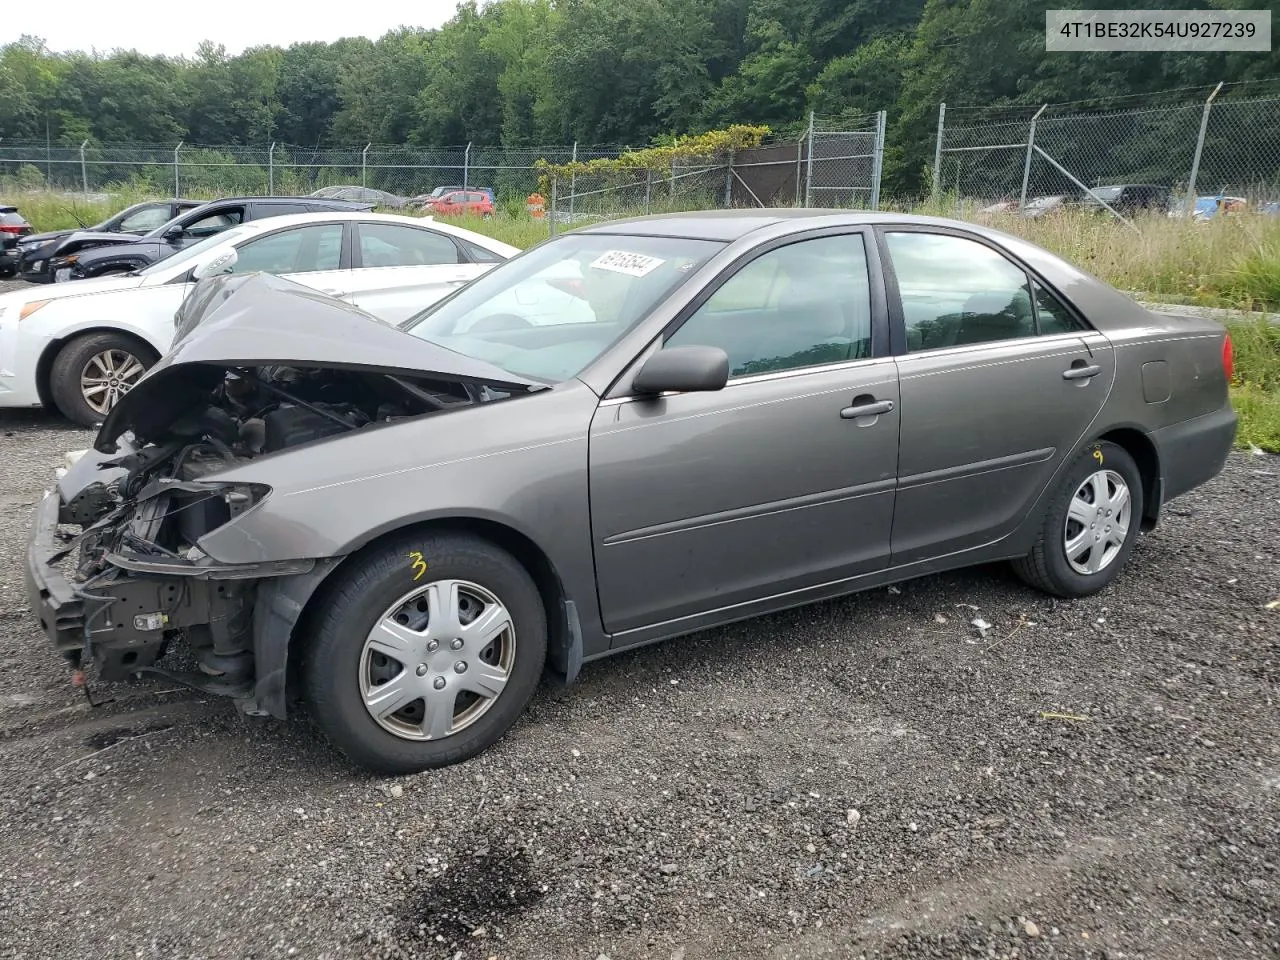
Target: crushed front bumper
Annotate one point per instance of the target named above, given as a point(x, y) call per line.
point(53, 600)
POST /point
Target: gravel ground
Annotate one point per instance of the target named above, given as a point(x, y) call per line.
point(861, 777)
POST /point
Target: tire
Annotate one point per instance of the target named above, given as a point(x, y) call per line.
point(342, 666)
point(92, 354)
point(1098, 472)
point(8, 273)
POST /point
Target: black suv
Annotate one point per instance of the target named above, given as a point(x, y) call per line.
point(35, 250)
point(120, 255)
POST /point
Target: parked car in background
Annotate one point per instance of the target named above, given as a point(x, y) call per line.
point(1209, 207)
point(379, 198)
point(423, 198)
point(13, 227)
point(1048, 205)
point(84, 256)
point(80, 346)
point(460, 203)
point(760, 409)
point(1129, 199)
point(78, 338)
point(37, 249)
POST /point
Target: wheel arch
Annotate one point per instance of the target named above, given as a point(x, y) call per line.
point(44, 364)
point(279, 652)
point(1138, 444)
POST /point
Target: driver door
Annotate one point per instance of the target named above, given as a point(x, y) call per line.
point(703, 504)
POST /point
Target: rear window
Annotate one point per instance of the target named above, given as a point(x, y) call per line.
point(12, 219)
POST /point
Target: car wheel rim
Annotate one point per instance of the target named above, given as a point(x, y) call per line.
point(107, 377)
point(1097, 522)
point(437, 660)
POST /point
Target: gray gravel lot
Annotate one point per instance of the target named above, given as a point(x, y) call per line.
point(861, 777)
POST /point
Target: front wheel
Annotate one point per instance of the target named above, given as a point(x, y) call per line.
point(1090, 526)
point(91, 373)
point(426, 653)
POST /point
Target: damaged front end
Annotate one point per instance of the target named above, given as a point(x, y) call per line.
point(117, 569)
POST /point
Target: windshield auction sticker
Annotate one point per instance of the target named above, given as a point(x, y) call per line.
point(631, 264)
point(1189, 31)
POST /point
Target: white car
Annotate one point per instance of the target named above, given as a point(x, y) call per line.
point(80, 346)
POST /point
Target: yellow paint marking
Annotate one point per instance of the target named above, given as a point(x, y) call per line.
point(418, 565)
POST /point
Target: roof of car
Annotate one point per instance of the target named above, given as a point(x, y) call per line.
point(730, 225)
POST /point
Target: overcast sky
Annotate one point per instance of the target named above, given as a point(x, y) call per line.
point(175, 27)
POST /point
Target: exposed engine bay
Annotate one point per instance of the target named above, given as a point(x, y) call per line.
point(137, 562)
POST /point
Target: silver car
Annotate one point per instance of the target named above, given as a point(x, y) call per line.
point(624, 434)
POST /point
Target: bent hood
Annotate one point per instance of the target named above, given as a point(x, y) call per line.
point(258, 319)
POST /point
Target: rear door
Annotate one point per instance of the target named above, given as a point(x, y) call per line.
point(1000, 381)
point(398, 269)
point(782, 481)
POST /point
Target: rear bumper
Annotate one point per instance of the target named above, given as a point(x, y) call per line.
point(1194, 451)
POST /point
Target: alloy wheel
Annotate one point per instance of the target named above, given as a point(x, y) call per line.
point(107, 377)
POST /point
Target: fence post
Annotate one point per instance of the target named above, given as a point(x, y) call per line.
point(728, 183)
point(1195, 161)
point(364, 165)
point(808, 173)
point(573, 181)
point(551, 220)
point(648, 188)
point(177, 190)
point(84, 168)
point(466, 167)
point(937, 154)
point(799, 161)
point(271, 170)
point(1026, 166)
point(877, 160)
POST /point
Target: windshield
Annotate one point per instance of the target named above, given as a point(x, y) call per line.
point(186, 254)
point(551, 312)
point(1108, 194)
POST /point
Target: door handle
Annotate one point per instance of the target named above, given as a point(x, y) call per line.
point(872, 408)
point(1082, 372)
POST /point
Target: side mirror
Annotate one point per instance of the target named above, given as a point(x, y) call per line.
point(683, 370)
point(223, 263)
point(175, 232)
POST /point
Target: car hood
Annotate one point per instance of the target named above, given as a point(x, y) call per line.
point(257, 319)
point(36, 239)
point(77, 288)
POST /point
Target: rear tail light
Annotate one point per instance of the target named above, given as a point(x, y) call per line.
point(1228, 358)
point(11, 228)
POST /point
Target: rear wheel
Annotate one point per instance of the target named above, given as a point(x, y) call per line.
point(91, 374)
point(1090, 526)
point(426, 653)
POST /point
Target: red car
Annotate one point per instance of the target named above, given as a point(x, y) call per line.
point(459, 202)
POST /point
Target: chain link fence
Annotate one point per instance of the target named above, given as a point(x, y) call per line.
point(1035, 159)
point(835, 163)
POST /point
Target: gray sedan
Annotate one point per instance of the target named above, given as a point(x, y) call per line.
point(630, 432)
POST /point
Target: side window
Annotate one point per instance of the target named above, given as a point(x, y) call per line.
point(144, 220)
point(957, 291)
point(1051, 315)
point(802, 305)
point(300, 250)
point(389, 245)
point(282, 209)
point(478, 253)
point(212, 223)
